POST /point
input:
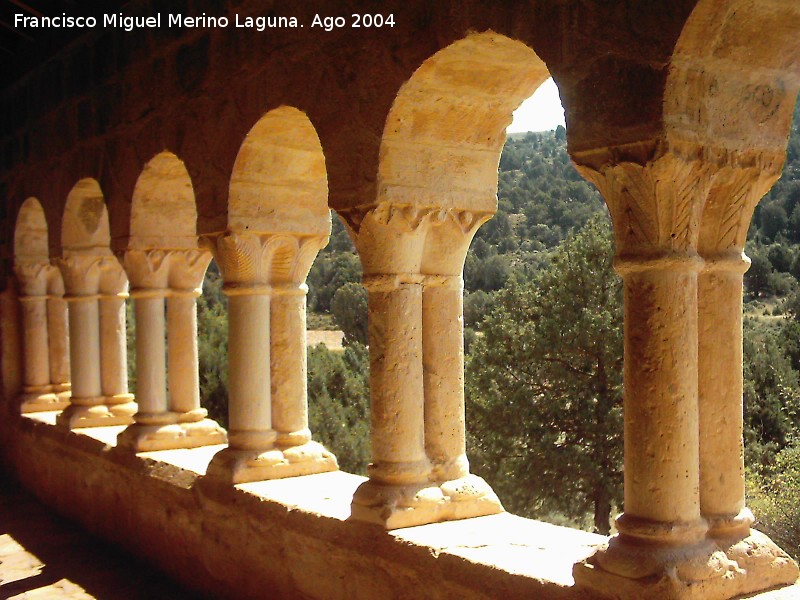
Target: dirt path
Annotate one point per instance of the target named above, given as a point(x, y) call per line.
point(331, 339)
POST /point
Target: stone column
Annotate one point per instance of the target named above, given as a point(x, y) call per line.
point(396, 375)
point(161, 423)
point(184, 388)
point(661, 415)
point(81, 274)
point(58, 336)
point(250, 408)
point(288, 365)
point(720, 390)
point(187, 271)
point(97, 344)
point(413, 258)
point(661, 549)
point(726, 219)
point(443, 360)
point(113, 343)
point(37, 393)
point(257, 451)
point(151, 367)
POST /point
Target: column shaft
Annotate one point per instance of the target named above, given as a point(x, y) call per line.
point(396, 383)
point(84, 345)
point(35, 343)
point(249, 408)
point(113, 348)
point(661, 414)
point(151, 388)
point(58, 338)
point(720, 384)
point(184, 377)
point(289, 365)
point(443, 367)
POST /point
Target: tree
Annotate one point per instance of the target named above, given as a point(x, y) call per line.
point(212, 346)
point(771, 399)
point(338, 403)
point(349, 309)
point(545, 385)
point(774, 496)
point(757, 278)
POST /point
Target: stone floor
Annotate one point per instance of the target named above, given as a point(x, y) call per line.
point(44, 557)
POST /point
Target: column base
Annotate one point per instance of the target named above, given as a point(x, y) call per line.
point(396, 506)
point(63, 391)
point(762, 564)
point(748, 566)
point(78, 416)
point(141, 437)
point(34, 402)
point(232, 466)
point(630, 568)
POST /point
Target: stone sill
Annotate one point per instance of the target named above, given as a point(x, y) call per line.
point(289, 536)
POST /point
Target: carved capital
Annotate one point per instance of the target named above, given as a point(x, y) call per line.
point(265, 259)
point(396, 238)
point(733, 197)
point(113, 279)
point(187, 268)
point(147, 269)
point(655, 206)
point(33, 277)
point(81, 273)
point(55, 282)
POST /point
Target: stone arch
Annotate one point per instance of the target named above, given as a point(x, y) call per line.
point(30, 233)
point(279, 182)
point(729, 97)
point(443, 139)
point(163, 211)
point(85, 228)
point(445, 131)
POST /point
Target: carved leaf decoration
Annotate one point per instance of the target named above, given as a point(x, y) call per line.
point(32, 278)
point(238, 257)
point(188, 267)
point(279, 254)
point(727, 232)
point(307, 252)
point(113, 279)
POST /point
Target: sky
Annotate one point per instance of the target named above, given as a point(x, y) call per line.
point(540, 112)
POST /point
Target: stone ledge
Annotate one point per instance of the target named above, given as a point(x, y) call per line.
point(289, 536)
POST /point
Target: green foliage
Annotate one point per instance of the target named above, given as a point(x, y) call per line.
point(349, 308)
point(775, 216)
point(476, 305)
point(771, 399)
point(541, 200)
point(130, 339)
point(338, 394)
point(774, 497)
point(212, 346)
point(545, 386)
point(336, 265)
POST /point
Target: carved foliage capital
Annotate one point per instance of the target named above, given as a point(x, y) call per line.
point(394, 238)
point(33, 277)
point(81, 273)
point(113, 279)
point(266, 259)
point(733, 197)
point(656, 207)
point(147, 269)
point(187, 268)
